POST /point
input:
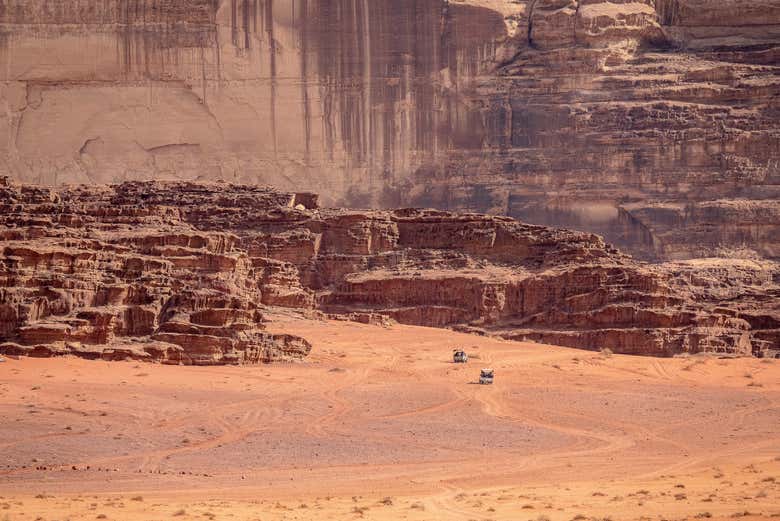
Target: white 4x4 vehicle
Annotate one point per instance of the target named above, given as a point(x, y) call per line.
point(486, 377)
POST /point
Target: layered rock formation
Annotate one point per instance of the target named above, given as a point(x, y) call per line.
point(647, 121)
point(654, 123)
point(185, 273)
point(118, 273)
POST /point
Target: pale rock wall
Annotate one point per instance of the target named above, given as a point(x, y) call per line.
point(600, 115)
point(338, 96)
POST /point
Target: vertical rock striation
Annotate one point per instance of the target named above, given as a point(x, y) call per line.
point(340, 96)
point(647, 121)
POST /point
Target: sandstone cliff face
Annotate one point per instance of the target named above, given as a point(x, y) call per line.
point(647, 121)
point(186, 273)
point(321, 94)
point(114, 274)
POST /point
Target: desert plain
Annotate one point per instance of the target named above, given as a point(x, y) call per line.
point(241, 214)
point(378, 423)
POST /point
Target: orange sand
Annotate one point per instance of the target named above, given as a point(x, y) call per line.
point(379, 424)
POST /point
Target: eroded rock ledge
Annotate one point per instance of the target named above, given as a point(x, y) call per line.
point(182, 272)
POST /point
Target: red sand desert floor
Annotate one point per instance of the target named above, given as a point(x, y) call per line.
point(379, 424)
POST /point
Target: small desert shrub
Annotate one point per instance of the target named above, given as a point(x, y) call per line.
point(606, 352)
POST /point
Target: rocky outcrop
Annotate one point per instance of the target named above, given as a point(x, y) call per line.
point(187, 272)
point(116, 273)
point(645, 121)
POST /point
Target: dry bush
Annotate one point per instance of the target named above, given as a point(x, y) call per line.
point(359, 510)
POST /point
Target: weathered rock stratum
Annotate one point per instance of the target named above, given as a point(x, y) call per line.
point(117, 273)
point(186, 272)
point(651, 122)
